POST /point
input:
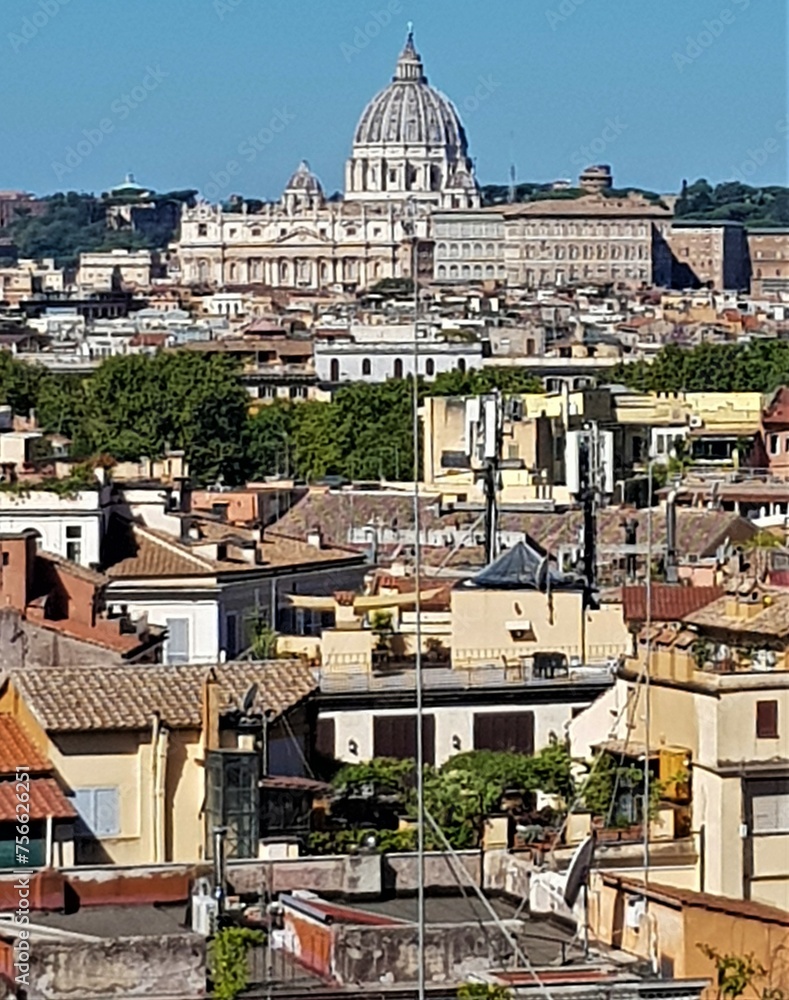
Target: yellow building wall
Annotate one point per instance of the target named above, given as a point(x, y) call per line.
point(677, 930)
point(479, 616)
point(124, 760)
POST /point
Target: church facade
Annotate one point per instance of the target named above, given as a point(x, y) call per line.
point(409, 158)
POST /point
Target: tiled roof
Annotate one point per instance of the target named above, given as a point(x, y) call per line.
point(17, 749)
point(139, 551)
point(771, 619)
point(46, 799)
point(670, 602)
point(699, 532)
point(79, 699)
point(73, 569)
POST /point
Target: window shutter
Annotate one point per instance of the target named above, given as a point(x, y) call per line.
point(505, 731)
point(766, 720)
point(765, 813)
point(107, 812)
point(177, 640)
point(395, 736)
point(83, 803)
point(325, 737)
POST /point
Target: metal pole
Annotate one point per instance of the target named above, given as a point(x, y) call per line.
point(420, 750)
point(647, 712)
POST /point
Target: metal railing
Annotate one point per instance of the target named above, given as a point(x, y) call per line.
point(456, 678)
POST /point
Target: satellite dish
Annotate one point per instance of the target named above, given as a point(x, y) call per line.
point(578, 872)
point(249, 699)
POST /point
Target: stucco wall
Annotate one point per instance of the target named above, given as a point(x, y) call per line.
point(161, 967)
point(454, 726)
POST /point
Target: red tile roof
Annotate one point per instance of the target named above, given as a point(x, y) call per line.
point(17, 749)
point(46, 799)
point(670, 602)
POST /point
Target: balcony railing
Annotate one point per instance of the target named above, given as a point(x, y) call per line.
point(456, 678)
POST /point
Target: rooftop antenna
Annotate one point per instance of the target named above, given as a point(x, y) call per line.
point(511, 191)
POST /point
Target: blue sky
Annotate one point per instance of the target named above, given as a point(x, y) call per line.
point(175, 90)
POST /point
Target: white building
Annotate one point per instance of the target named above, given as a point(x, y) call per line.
point(349, 359)
point(409, 147)
point(68, 526)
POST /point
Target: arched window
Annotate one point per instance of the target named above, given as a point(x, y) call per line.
point(442, 271)
point(477, 249)
point(478, 270)
point(461, 365)
point(489, 251)
point(453, 271)
point(489, 271)
point(441, 250)
point(430, 367)
point(334, 370)
point(398, 368)
point(366, 366)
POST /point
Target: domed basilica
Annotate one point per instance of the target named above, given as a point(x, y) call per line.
point(409, 155)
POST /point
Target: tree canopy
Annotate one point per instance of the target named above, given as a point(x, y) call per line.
point(75, 223)
point(735, 202)
point(760, 366)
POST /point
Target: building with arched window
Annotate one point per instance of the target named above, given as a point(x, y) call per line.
point(409, 146)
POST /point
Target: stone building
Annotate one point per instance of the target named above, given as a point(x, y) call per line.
point(556, 241)
point(713, 253)
point(409, 155)
point(768, 250)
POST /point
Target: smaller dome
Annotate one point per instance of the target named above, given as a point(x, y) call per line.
point(304, 180)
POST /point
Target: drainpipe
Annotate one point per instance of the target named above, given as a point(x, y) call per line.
point(155, 726)
point(159, 744)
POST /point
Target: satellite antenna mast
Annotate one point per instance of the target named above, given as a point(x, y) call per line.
point(511, 192)
point(577, 881)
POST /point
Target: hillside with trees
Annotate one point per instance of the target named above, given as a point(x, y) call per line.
point(76, 223)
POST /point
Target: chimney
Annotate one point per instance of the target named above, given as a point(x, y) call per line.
point(315, 537)
point(186, 524)
point(184, 494)
point(671, 538)
point(631, 534)
point(211, 706)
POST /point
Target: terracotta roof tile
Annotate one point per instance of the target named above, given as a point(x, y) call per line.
point(80, 699)
point(669, 602)
point(772, 618)
point(17, 749)
point(46, 799)
point(139, 551)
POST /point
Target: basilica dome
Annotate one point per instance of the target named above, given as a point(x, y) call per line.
point(410, 112)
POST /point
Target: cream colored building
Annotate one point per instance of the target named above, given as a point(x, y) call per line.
point(409, 147)
point(768, 250)
point(97, 271)
point(131, 746)
point(504, 667)
point(719, 693)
